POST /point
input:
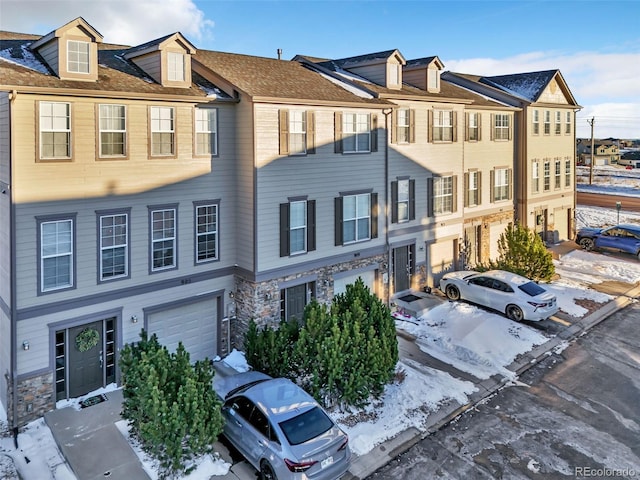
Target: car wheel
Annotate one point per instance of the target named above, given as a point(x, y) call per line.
point(587, 244)
point(266, 472)
point(452, 292)
point(514, 313)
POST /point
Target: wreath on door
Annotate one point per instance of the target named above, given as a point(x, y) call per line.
point(87, 339)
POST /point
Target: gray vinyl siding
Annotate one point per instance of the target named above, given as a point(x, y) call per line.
point(243, 207)
point(5, 243)
point(417, 78)
point(321, 177)
point(375, 73)
point(50, 54)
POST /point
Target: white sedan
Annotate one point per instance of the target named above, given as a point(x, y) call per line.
point(514, 295)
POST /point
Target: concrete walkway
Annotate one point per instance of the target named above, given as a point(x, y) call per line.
point(92, 444)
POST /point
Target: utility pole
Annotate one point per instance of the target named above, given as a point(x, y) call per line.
point(591, 122)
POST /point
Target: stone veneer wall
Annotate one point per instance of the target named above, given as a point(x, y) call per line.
point(485, 242)
point(261, 301)
point(35, 398)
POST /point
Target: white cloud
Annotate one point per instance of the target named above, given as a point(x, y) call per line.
point(605, 85)
point(119, 21)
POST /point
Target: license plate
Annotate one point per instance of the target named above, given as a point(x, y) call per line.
point(326, 462)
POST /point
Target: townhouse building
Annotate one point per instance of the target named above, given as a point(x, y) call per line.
point(186, 192)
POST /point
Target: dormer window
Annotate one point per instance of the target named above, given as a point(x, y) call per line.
point(433, 79)
point(175, 65)
point(77, 56)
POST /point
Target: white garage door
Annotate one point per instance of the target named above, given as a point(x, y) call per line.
point(195, 324)
point(340, 284)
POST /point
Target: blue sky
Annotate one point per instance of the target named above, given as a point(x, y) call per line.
point(595, 44)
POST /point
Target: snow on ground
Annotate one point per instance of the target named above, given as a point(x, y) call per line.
point(472, 339)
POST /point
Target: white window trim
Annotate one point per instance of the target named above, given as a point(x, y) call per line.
point(358, 216)
point(176, 71)
point(156, 118)
point(298, 228)
point(211, 124)
point(443, 200)
point(442, 123)
point(69, 254)
point(360, 131)
point(109, 130)
point(207, 232)
point(298, 128)
point(501, 126)
point(114, 247)
point(53, 129)
point(473, 187)
point(501, 184)
point(403, 199)
point(164, 238)
point(78, 63)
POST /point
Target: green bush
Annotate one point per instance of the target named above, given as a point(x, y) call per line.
point(169, 403)
point(345, 353)
point(522, 251)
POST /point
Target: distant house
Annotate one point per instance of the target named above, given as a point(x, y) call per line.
point(186, 192)
point(607, 152)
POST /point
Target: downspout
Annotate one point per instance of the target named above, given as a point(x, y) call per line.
point(12, 286)
point(386, 112)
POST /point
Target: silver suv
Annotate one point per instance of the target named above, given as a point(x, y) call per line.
point(280, 429)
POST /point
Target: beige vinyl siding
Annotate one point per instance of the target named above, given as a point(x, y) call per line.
point(79, 188)
point(320, 177)
point(151, 64)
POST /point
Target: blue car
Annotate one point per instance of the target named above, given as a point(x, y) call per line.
point(621, 238)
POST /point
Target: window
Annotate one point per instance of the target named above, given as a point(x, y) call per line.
point(297, 226)
point(501, 184)
point(501, 127)
point(547, 176)
point(442, 130)
point(558, 172)
point(394, 74)
point(297, 132)
point(56, 254)
point(114, 246)
point(163, 239)
point(404, 129)
point(433, 79)
point(55, 130)
point(558, 125)
point(357, 133)
point(77, 56)
point(567, 125)
point(547, 122)
point(206, 232)
point(535, 177)
point(536, 122)
point(206, 131)
point(473, 127)
point(113, 131)
point(472, 180)
point(567, 173)
point(162, 131)
point(293, 300)
point(403, 200)
point(356, 217)
point(175, 62)
point(443, 195)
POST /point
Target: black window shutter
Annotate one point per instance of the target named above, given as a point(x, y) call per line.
point(337, 141)
point(311, 132)
point(430, 196)
point(311, 225)
point(374, 215)
point(412, 126)
point(338, 220)
point(412, 199)
point(284, 131)
point(374, 133)
point(285, 248)
point(394, 202)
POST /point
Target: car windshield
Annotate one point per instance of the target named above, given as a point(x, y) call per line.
point(532, 289)
point(306, 426)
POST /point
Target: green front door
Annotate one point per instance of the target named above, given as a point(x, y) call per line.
point(86, 365)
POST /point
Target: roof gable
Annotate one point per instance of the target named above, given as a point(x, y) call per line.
point(547, 86)
point(79, 24)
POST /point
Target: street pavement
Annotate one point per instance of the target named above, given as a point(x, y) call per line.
point(94, 448)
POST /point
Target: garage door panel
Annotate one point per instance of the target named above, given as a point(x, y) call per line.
point(194, 324)
point(368, 277)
